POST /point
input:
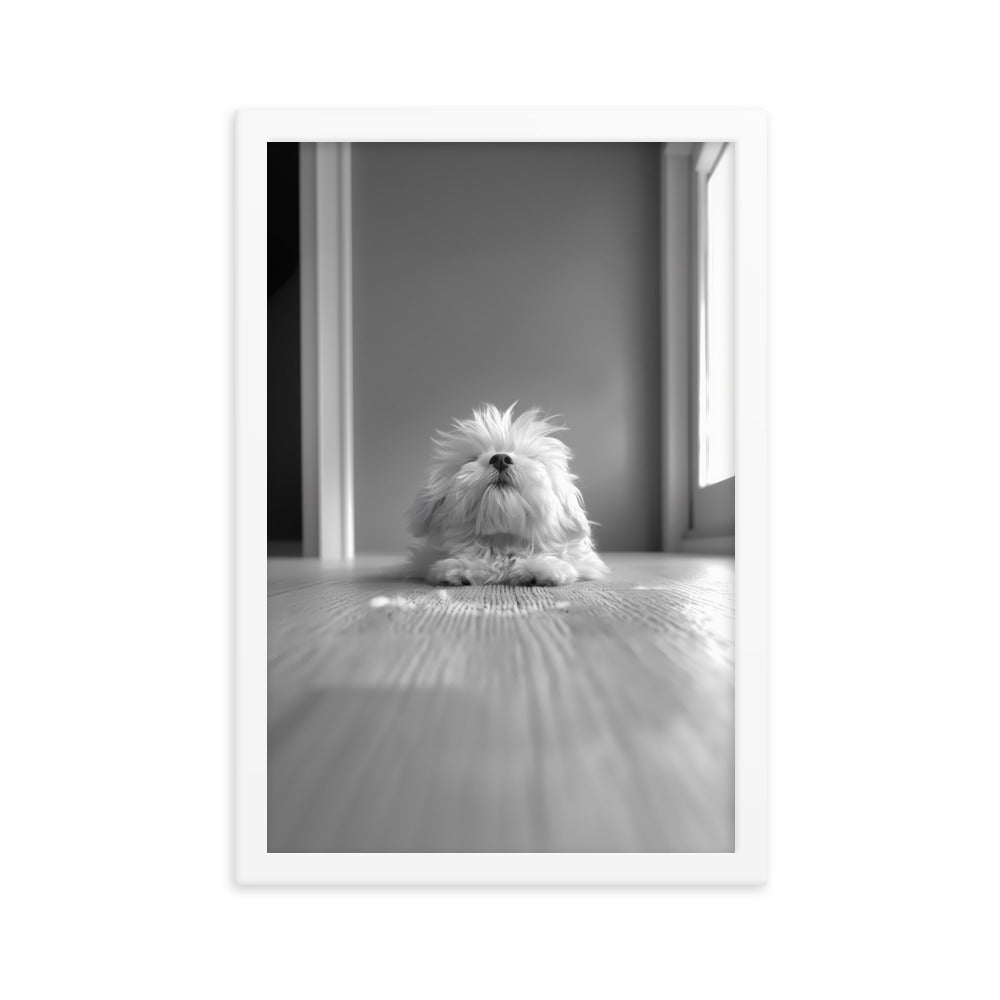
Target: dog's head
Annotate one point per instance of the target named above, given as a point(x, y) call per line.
point(494, 476)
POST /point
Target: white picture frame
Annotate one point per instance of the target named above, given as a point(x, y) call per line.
point(254, 129)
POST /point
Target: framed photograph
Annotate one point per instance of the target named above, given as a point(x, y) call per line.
point(500, 497)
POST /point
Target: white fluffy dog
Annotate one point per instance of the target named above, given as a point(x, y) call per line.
point(500, 506)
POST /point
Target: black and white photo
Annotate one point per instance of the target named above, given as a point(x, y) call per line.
point(502, 449)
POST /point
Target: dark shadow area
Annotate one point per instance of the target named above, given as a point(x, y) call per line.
point(284, 427)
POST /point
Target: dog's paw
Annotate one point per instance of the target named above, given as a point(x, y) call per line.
point(543, 572)
point(452, 572)
point(457, 573)
point(591, 567)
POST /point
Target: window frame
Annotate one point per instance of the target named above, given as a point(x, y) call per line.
point(713, 507)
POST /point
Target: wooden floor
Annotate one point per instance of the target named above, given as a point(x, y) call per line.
point(595, 717)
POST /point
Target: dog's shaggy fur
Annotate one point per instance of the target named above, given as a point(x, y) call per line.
point(501, 506)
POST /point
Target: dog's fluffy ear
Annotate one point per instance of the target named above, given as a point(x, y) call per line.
point(573, 521)
point(423, 514)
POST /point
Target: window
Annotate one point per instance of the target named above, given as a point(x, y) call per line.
point(717, 387)
point(713, 345)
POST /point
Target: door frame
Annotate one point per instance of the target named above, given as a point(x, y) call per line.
point(325, 255)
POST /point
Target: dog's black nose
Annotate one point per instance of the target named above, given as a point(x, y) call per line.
point(501, 461)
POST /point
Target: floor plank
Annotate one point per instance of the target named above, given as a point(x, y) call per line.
point(594, 717)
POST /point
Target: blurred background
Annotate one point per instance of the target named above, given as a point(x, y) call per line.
point(484, 272)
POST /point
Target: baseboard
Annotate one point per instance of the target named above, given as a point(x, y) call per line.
point(721, 545)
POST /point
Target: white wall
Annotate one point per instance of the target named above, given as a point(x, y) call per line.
point(502, 272)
